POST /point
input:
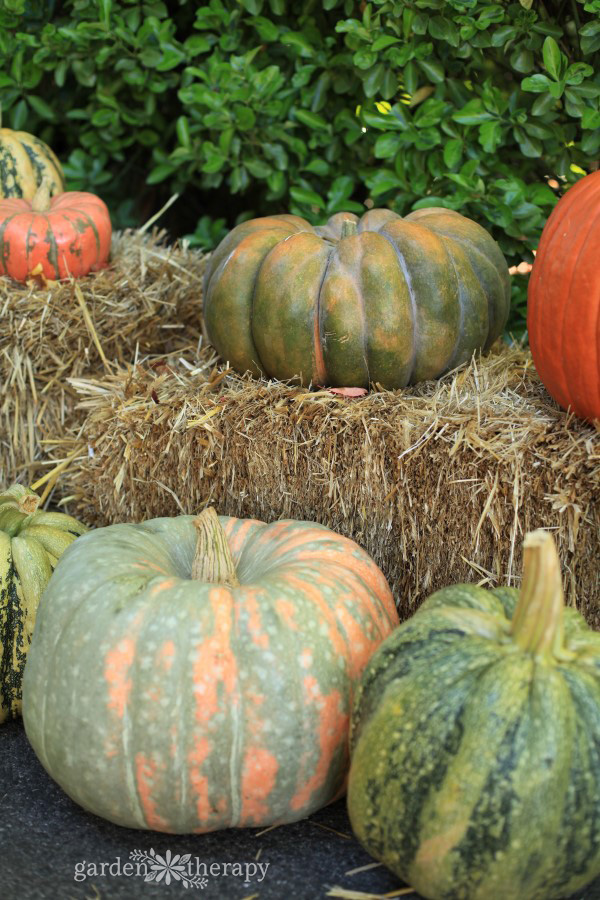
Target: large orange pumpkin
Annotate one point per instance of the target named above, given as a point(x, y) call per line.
point(55, 237)
point(188, 683)
point(563, 301)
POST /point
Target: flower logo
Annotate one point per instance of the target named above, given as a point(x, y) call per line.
point(168, 868)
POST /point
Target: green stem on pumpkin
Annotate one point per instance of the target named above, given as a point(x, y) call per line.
point(213, 562)
point(25, 500)
point(41, 198)
point(537, 625)
point(349, 228)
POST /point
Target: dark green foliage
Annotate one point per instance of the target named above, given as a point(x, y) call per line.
point(261, 108)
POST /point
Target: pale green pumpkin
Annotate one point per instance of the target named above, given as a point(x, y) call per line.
point(188, 683)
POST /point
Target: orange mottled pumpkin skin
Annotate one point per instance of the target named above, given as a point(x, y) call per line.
point(563, 300)
point(71, 238)
point(165, 703)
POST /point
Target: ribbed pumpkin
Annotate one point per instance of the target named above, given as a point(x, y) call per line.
point(381, 299)
point(563, 300)
point(24, 163)
point(184, 683)
point(475, 741)
point(53, 237)
point(31, 541)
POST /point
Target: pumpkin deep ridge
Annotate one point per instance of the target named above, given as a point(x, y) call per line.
point(321, 368)
point(413, 299)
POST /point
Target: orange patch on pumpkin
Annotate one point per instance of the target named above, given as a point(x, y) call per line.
point(259, 772)
point(258, 637)
point(166, 655)
point(286, 611)
point(145, 777)
point(215, 661)
point(117, 664)
point(198, 781)
point(332, 731)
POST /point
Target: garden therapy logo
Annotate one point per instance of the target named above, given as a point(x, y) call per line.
point(168, 868)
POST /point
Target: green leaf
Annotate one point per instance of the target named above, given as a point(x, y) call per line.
point(306, 197)
point(473, 113)
point(160, 173)
point(529, 146)
point(244, 117)
point(536, 83)
point(373, 79)
point(433, 70)
point(43, 109)
point(386, 146)
point(182, 128)
point(317, 166)
point(444, 29)
point(590, 118)
point(258, 167)
point(311, 119)
point(386, 40)
point(298, 41)
point(554, 60)
point(490, 136)
point(453, 152)
point(576, 73)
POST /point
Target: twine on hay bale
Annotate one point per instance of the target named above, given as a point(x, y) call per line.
point(439, 483)
point(147, 302)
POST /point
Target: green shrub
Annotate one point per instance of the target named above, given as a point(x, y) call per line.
point(247, 108)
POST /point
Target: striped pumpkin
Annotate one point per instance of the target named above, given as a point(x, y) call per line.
point(188, 684)
point(475, 766)
point(58, 237)
point(31, 540)
point(381, 299)
point(24, 163)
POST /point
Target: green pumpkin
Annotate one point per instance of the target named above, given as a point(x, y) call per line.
point(381, 299)
point(31, 541)
point(475, 743)
point(188, 683)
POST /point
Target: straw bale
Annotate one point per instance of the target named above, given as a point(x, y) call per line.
point(439, 483)
point(146, 302)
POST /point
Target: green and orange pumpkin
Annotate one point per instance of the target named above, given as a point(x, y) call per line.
point(25, 161)
point(53, 237)
point(31, 542)
point(380, 299)
point(475, 735)
point(194, 674)
point(563, 300)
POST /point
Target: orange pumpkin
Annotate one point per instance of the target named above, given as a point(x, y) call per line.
point(563, 300)
point(53, 237)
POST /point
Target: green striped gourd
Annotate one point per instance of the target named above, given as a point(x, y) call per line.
point(25, 162)
point(475, 743)
point(188, 682)
point(380, 299)
point(31, 541)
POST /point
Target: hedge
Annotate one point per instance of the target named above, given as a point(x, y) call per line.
point(247, 107)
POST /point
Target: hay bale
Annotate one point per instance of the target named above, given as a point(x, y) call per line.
point(439, 483)
point(147, 302)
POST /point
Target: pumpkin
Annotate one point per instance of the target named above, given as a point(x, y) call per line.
point(380, 299)
point(563, 300)
point(24, 162)
point(475, 768)
point(31, 541)
point(53, 237)
point(194, 674)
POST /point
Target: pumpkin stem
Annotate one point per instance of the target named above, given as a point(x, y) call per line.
point(213, 562)
point(26, 500)
point(349, 228)
point(41, 198)
point(537, 624)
